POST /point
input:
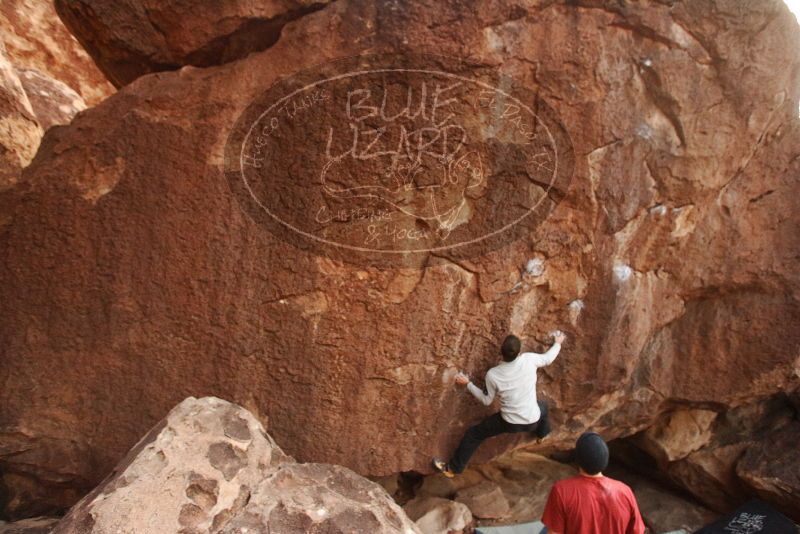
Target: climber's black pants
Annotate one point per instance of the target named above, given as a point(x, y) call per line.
point(494, 425)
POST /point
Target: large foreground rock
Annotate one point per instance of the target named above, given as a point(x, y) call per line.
point(209, 467)
point(132, 276)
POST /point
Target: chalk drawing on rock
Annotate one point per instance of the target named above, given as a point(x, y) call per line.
point(402, 155)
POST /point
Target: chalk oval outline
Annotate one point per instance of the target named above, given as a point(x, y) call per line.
point(351, 74)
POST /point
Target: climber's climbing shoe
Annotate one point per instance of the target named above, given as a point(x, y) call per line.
point(443, 468)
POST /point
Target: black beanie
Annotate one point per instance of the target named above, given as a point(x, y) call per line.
point(591, 453)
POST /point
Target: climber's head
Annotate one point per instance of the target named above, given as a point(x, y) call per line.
point(510, 348)
point(591, 453)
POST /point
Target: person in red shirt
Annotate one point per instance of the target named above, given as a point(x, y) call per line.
point(591, 503)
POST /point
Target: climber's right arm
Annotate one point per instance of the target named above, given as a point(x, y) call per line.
point(485, 398)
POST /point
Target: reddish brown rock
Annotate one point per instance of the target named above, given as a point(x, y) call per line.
point(771, 467)
point(135, 37)
point(210, 467)
point(36, 39)
point(132, 277)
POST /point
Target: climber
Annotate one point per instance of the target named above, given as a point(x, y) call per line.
point(591, 502)
point(514, 382)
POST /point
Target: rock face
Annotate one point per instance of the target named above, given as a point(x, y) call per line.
point(209, 467)
point(135, 37)
point(36, 39)
point(134, 271)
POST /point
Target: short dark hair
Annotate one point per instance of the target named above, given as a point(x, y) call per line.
point(591, 453)
point(510, 348)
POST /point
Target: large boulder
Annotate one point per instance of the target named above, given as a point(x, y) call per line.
point(134, 37)
point(136, 273)
point(37, 39)
point(209, 467)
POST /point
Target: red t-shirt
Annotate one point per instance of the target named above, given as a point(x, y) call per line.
point(592, 505)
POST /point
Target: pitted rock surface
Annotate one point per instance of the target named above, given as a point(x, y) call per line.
point(188, 476)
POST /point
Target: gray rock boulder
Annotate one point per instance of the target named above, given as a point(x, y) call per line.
point(209, 467)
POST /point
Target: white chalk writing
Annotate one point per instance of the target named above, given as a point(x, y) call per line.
point(746, 523)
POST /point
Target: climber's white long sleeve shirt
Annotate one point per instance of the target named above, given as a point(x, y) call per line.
point(515, 384)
